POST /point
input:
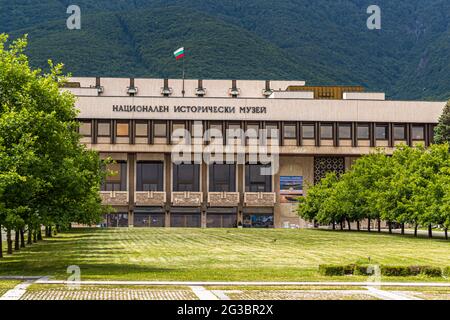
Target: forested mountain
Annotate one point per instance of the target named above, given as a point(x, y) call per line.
point(320, 41)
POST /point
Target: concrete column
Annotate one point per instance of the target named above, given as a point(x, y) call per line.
point(131, 160)
point(167, 186)
point(240, 189)
point(204, 189)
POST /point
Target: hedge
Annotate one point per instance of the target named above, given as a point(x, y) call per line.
point(389, 271)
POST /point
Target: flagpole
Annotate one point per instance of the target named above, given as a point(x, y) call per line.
point(183, 92)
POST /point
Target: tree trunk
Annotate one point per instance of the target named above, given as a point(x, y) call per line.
point(430, 231)
point(403, 228)
point(39, 234)
point(358, 226)
point(446, 233)
point(416, 226)
point(390, 226)
point(334, 225)
point(342, 225)
point(35, 236)
point(368, 224)
point(1, 244)
point(379, 225)
point(46, 231)
point(16, 240)
point(349, 225)
point(50, 231)
point(22, 238)
point(9, 241)
point(30, 236)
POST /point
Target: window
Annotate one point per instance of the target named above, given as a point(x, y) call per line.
point(141, 129)
point(117, 181)
point(363, 132)
point(326, 131)
point(272, 131)
point(86, 128)
point(400, 132)
point(418, 133)
point(215, 131)
point(290, 131)
point(197, 129)
point(233, 133)
point(122, 129)
point(160, 130)
point(116, 220)
point(178, 130)
point(252, 130)
point(104, 129)
point(381, 132)
point(308, 131)
point(149, 176)
point(186, 177)
point(222, 178)
point(345, 131)
point(255, 181)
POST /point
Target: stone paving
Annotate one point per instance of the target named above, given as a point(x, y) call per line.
point(299, 295)
point(38, 289)
point(108, 294)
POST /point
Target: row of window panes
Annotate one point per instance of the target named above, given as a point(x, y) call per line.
point(290, 130)
point(186, 177)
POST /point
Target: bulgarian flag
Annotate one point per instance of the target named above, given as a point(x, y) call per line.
point(179, 53)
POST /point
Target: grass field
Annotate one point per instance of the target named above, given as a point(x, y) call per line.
point(218, 254)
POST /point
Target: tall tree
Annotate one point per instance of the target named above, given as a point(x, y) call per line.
point(47, 177)
point(442, 130)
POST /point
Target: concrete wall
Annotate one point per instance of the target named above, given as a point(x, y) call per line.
point(292, 166)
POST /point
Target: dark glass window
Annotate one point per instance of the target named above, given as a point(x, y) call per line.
point(116, 220)
point(141, 129)
point(160, 130)
point(252, 130)
point(418, 133)
point(183, 220)
point(104, 129)
point(400, 132)
point(255, 181)
point(149, 176)
point(85, 128)
point(381, 132)
point(345, 131)
point(214, 220)
point(234, 133)
point(117, 181)
point(308, 131)
point(326, 131)
point(186, 177)
point(272, 131)
point(363, 132)
point(149, 220)
point(290, 131)
point(222, 178)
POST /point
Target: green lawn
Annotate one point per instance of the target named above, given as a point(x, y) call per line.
point(218, 254)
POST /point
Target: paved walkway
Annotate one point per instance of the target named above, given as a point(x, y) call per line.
point(182, 290)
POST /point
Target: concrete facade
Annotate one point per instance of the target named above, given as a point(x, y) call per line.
point(133, 120)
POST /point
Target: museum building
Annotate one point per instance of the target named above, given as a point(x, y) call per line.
point(316, 130)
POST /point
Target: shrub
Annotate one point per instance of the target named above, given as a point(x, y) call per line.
point(446, 272)
point(335, 270)
point(431, 271)
point(396, 271)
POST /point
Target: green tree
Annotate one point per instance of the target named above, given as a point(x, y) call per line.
point(47, 177)
point(442, 130)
